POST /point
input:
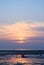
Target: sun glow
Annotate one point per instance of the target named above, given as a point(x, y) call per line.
point(19, 32)
point(21, 40)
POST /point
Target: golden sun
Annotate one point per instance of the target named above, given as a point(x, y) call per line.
point(21, 40)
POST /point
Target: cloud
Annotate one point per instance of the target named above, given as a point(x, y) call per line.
point(1, 27)
point(37, 29)
point(35, 43)
point(22, 31)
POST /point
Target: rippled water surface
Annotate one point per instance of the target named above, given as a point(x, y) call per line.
point(17, 60)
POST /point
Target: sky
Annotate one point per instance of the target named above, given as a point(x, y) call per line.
point(21, 24)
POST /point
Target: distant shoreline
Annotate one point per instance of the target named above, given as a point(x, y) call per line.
point(24, 52)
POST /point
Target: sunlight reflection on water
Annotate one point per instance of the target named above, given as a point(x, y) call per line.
point(17, 60)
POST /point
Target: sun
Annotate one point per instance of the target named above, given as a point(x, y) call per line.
point(21, 40)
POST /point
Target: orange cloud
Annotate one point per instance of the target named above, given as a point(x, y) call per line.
point(20, 31)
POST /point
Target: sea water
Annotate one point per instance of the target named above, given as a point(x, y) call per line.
point(18, 60)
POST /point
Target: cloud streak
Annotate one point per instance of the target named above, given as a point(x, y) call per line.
point(22, 29)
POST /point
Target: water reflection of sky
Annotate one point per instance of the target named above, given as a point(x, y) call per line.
point(12, 60)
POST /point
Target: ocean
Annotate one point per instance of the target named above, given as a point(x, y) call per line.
point(18, 60)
